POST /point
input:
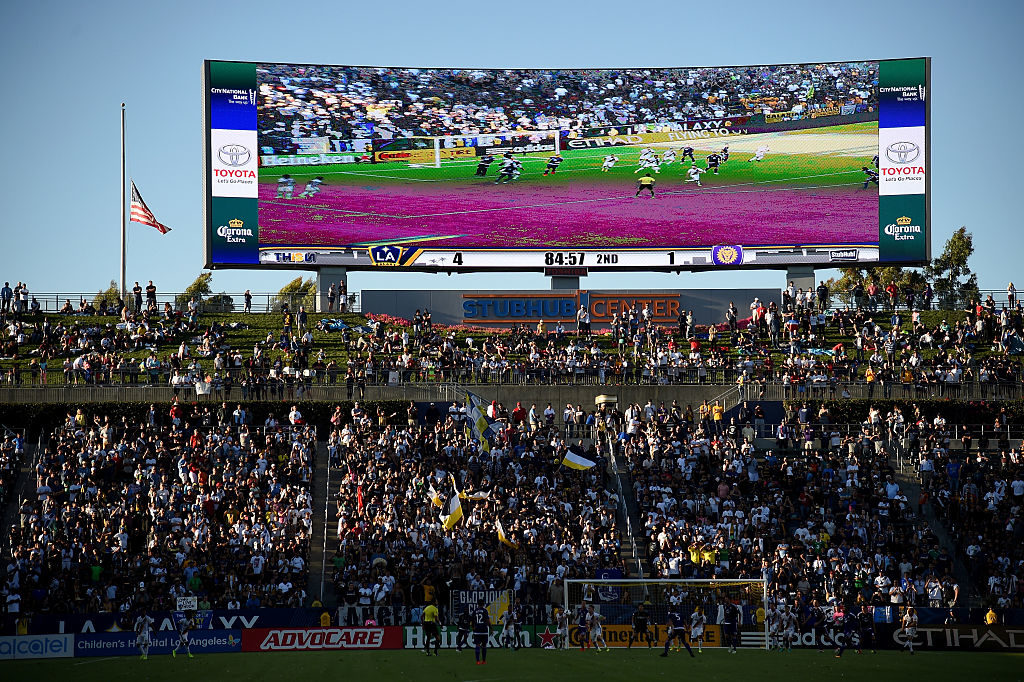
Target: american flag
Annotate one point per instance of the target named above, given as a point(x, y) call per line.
point(141, 214)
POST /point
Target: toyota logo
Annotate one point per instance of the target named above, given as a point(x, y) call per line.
point(902, 152)
point(233, 155)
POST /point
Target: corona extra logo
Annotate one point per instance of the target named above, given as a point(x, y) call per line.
point(235, 222)
point(903, 220)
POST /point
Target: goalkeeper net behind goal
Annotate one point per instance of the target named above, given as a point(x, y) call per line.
point(618, 600)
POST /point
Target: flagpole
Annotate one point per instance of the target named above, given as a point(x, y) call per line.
point(124, 225)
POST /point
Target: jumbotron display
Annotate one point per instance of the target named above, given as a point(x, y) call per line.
point(504, 169)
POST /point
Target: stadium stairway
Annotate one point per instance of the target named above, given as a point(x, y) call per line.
point(910, 485)
point(320, 586)
point(23, 485)
point(632, 544)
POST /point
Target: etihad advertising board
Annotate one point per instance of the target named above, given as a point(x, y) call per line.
point(588, 169)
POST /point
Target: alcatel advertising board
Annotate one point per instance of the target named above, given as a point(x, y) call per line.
point(598, 169)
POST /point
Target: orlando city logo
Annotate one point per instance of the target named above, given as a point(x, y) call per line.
point(727, 255)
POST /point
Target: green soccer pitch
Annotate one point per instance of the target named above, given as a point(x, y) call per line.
point(532, 664)
point(817, 157)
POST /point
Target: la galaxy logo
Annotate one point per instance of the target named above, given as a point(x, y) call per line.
point(386, 256)
point(727, 255)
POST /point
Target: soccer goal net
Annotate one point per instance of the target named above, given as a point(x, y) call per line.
point(616, 601)
point(465, 149)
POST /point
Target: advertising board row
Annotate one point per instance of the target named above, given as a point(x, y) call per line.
point(887, 636)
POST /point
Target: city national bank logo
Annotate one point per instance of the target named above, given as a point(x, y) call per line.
point(234, 155)
point(386, 256)
point(902, 153)
point(727, 255)
point(234, 232)
point(242, 96)
point(903, 230)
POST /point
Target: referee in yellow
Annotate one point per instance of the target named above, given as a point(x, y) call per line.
point(646, 183)
point(431, 628)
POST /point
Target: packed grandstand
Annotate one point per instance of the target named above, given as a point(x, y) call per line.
point(236, 483)
point(352, 103)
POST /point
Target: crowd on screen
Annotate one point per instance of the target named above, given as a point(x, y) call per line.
point(349, 103)
point(393, 551)
point(129, 513)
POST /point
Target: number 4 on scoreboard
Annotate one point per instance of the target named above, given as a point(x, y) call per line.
point(457, 258)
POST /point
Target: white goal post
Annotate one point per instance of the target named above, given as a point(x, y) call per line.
point(617, 599)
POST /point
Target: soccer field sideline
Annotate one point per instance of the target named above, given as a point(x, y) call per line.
point(531, 664)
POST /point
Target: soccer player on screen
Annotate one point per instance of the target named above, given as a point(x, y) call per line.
point(676, 631)
point(553, 162)
point(483, 164)
point(509, 170)
point(668, 157)
point(714, 161)
point(693, 175)
point(725, 153)
point(609, 163)
point(730, 626)
point(481, 631)
point(687, 151)
point(872, 176)
point(759, 154)
point(312, 187)
point(645, 183)
point(285, 186)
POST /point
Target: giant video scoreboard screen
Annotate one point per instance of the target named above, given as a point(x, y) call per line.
point(639, 168)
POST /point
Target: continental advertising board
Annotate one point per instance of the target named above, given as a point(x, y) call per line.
point(730, 167)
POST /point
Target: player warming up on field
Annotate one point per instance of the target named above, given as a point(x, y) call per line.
point(676, 631)
point(583, 626)
point(184, 626)
point(553, 163)
point(697, 622)
point(641, 628)
point(596, 631)
point(143, 629)
point(285, 186)
point(312, 187)
point(645, 183)
point(730, 626)
point(481, 631)
point(909, 629)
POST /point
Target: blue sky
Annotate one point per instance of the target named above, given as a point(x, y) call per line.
point(70, 65)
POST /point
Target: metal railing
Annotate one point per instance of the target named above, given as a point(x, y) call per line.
point(52, 302)
point(624, 504)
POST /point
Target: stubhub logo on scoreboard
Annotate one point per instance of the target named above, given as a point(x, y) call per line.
point(602, 306)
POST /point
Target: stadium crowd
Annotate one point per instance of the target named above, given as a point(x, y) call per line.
point(394, 550)
point(130, 513)
point(820, 515)
point(349, 103)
